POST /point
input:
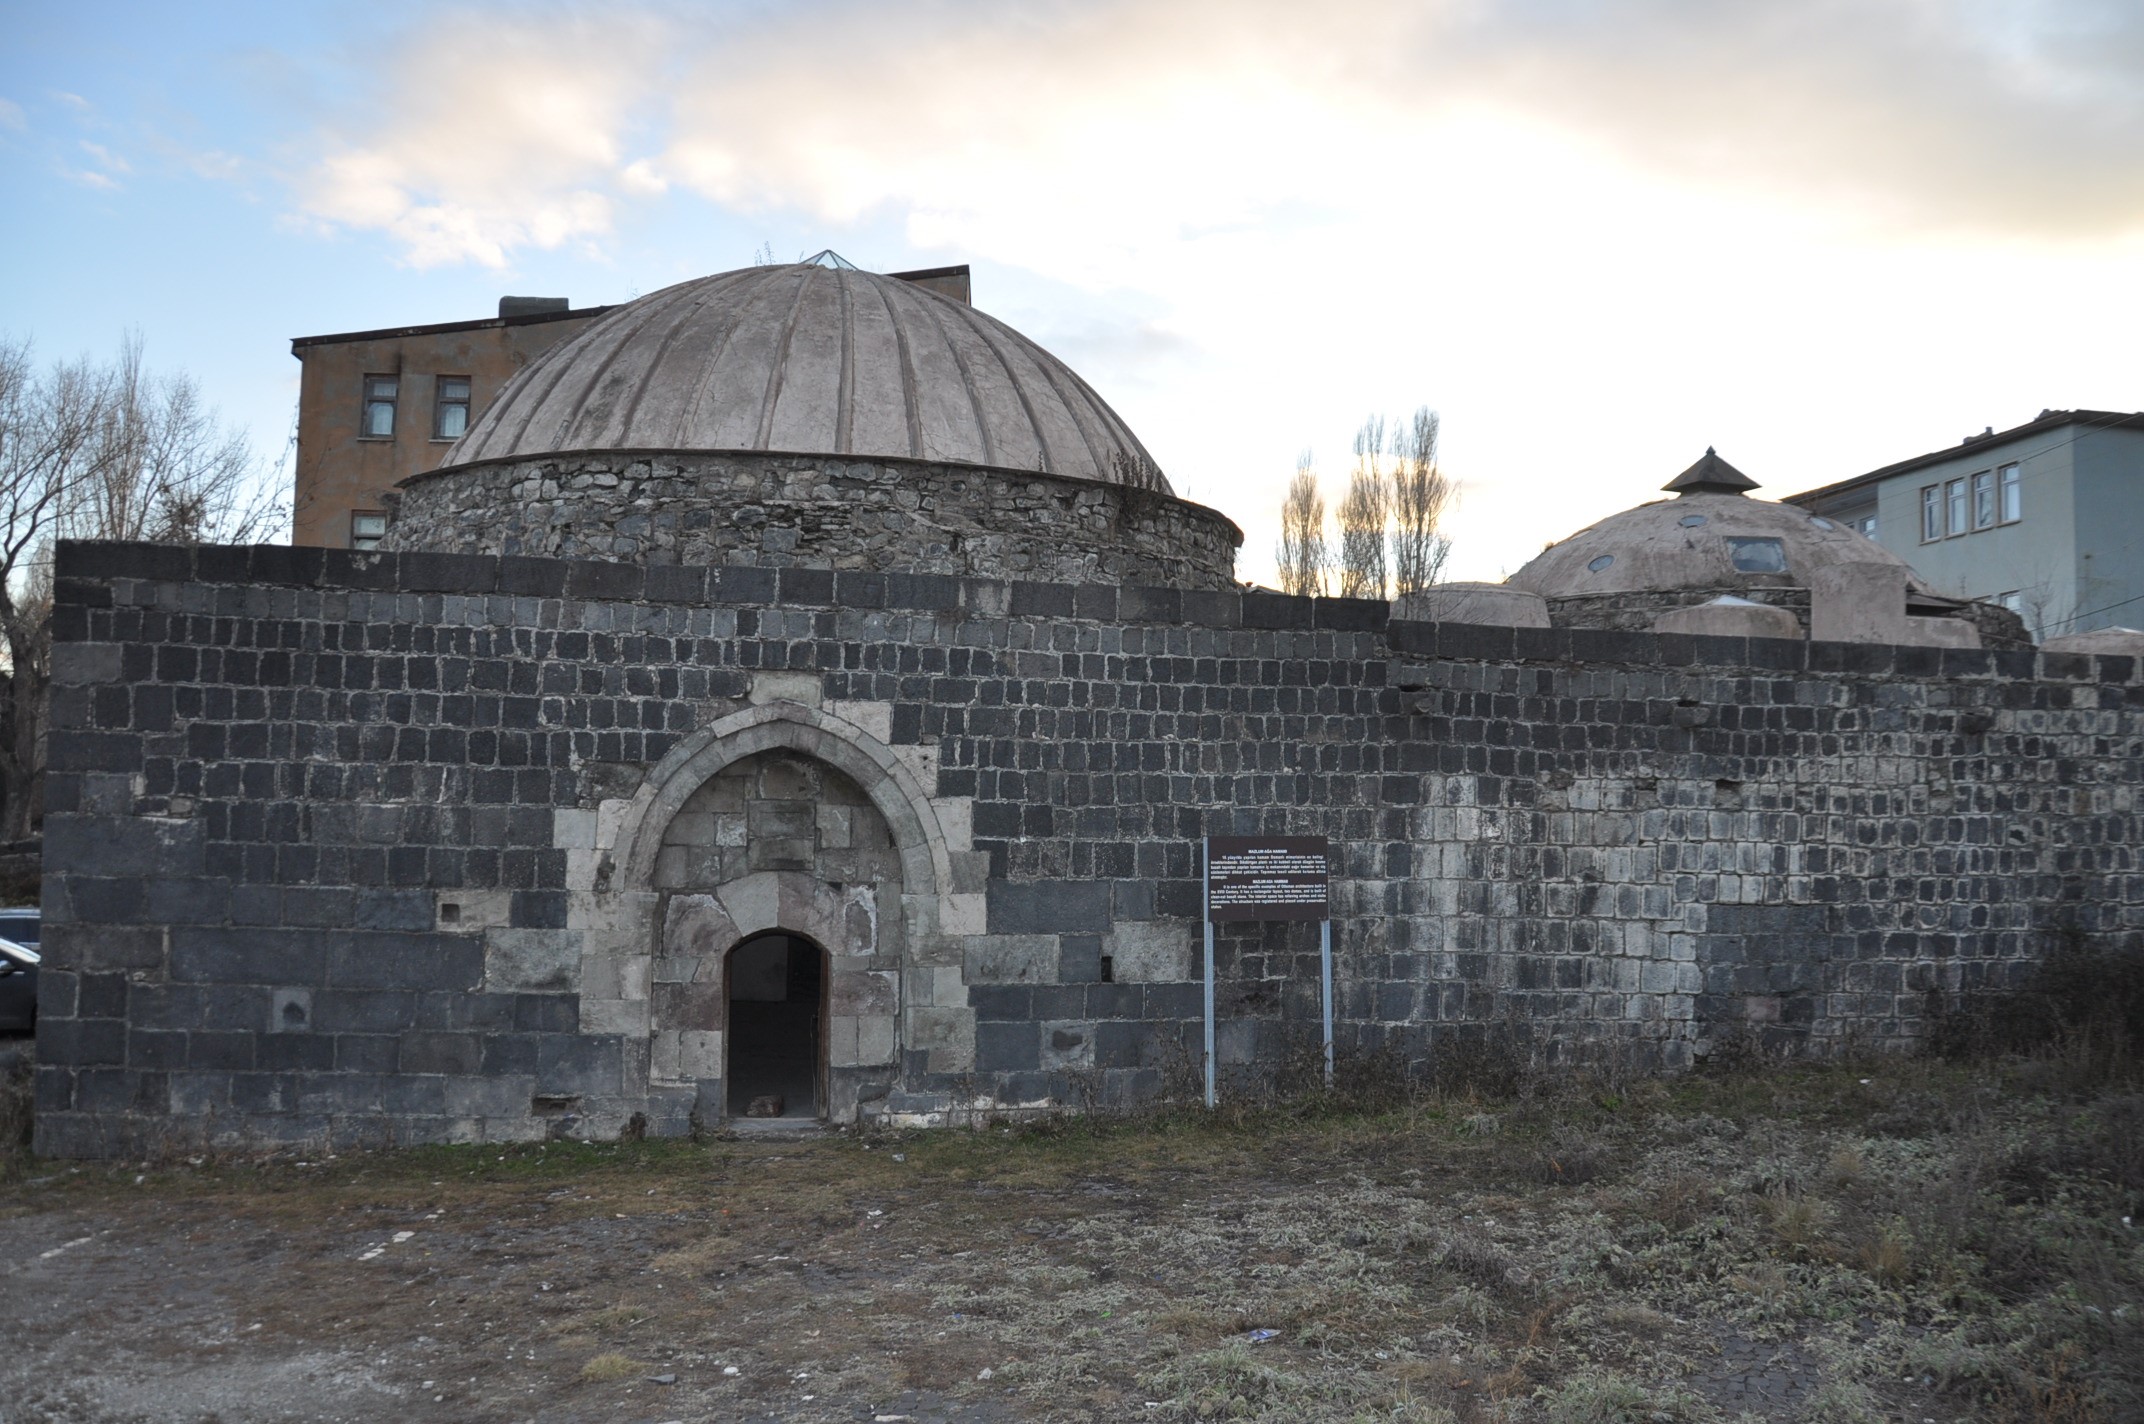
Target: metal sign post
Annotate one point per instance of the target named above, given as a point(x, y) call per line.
point(1269, 878)
point(1209, 974)
point(1325, 985)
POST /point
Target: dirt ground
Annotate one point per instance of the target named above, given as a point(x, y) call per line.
point(1904, 1241)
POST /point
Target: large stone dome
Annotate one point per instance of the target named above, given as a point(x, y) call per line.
point(811, 360)
point(813, 417)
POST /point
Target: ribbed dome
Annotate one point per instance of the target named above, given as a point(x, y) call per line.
point(810, 360)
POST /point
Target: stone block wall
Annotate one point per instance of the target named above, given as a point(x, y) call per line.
point(742, 507)
point(365, 848)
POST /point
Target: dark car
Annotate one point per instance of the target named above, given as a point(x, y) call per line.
point(18, 971)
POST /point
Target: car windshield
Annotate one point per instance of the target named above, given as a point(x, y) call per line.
point(20, 928)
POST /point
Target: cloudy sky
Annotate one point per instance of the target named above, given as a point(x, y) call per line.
point(1597, 235)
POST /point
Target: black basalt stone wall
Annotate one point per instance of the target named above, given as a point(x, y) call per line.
point(731, 508)
point(272, 768)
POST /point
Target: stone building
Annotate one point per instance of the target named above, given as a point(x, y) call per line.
point(800, 689)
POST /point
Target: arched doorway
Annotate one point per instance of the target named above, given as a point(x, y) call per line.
point(774, 993)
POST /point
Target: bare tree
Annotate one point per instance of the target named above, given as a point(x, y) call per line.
point(1421, 495)
point(1363, 513)
point(1302, 555)
point(97, 451)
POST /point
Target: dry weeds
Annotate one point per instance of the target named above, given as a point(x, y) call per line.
point(1928, 1240)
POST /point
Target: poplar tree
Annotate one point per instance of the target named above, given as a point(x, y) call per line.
point(1421, 495)
point(1363, 514)
point(1302, 555)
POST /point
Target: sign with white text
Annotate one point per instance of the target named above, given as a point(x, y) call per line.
point(1266, 878)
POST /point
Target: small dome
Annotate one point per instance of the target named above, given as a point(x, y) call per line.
point(811, 360)
point(1698, 541)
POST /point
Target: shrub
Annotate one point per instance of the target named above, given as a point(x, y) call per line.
point(2081, 1014)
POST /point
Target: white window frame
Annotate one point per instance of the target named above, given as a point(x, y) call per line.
point(367, 528)
point(441, 404)
point(1931, 513)
point(371, 400)
point(1983, 498)
point(1957, 504)
point(2009, 494)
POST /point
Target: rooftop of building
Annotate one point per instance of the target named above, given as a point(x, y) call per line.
point(2045, 421)
point(298, 344)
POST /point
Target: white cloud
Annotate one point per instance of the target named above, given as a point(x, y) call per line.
point(12, 117)
point(1130, 120)
point(1600, 235)
point(468, 162)
point(108, 160)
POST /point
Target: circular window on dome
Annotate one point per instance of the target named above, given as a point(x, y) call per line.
point(1691, 521)
point(1601, 563)
point(1821, 522)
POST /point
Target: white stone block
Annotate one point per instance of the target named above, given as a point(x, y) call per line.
point(806, 689)
point(949, 988)
point(699, 1053)
point(841, 1041)
point(963, 914)
point(753, 903)
point(610, 820)
point(876, 1042)
point(956, 819)
point(1151, 951)
point(573, 829)
point(922, 763)
point(663, 1055)
point(873, 719)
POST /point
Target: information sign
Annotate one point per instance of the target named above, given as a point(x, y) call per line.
point(1266, 878)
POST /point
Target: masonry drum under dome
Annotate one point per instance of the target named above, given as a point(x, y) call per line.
point(817, 416)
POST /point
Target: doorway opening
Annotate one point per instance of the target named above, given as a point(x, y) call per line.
point(776, 992)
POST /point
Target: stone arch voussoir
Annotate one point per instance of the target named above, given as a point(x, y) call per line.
point(893, 787)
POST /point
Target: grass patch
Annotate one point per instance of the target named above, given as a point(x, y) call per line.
point(608, 1367)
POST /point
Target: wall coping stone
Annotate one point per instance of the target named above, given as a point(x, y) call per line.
point(85, 569)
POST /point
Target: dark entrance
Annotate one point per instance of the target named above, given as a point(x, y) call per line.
point(776, 987)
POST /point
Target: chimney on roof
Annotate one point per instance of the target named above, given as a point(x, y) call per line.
point(532, 306)
point(945, 281)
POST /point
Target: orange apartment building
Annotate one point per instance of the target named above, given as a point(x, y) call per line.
point(375, 407)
